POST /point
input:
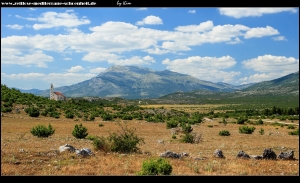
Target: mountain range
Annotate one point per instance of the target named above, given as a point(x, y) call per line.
point(133, 82)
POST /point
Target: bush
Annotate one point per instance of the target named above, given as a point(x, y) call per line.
point(242, 120)
point(158, 166)
point(296, 132)
point(188, 138)
point(171, 124)
point(261, 131)
point(32, 111)
point(79, 131)
point(100, 143)
point(69, 115)
point(42, 131)
point(246, 129)
point(260, 122)
point(290, 127)
point(224, 133)
point(125, 142)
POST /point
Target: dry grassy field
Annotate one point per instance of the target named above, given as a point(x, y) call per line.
point(25, 154)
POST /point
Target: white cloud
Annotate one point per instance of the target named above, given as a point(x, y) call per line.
point(100, 57)
point(97, 70)
point(156, 51)
point(279, 38)
point(36, 58)
point(273, 64)
point(235, 41)
point(118, 37)
point(192, 11)
point(21, 76)
point(15, 26)
point(260, 77)
point(61, 79)
point(77, 68)
point(141, 9)
point(32, 9)
point(253, 12)
point(260, 32)
point(52, 19)
point(174, 46)
point(135, 60)
point(204, 68)
point(202, 27)
point(28, 18)
point(150, 20)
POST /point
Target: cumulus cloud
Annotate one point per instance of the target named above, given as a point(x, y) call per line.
point(203, 26)
point(192, 11)
point(135, 60)
point(270, 63)
point(269, 67)
point(61, 79)
point(52, 19)
point(77, 68)
point(150, 20)
point(204, 68)
point(15, 26)
point(234, 41)
point(253, 12)
point(279, 38)
point(36, 58)
point(260, 32)
point(119, 37)
point(156, 51)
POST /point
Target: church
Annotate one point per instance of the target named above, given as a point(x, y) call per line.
point(56, 95)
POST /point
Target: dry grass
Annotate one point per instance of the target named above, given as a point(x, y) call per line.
point(24, 154)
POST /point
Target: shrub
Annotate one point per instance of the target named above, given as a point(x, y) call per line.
point(32, 111)
point(188, 138)
point(158, 166)
point(101, 124)
point(125, 142)
point(242, 120)
point(69, 115)
point(171, 124)
point(79, 131)
point(100, 143)
point(42, 131)
point(246, 129)
point(260, 122)
point(261, 131)
point(224, 133)
point(290, 127)
point(296, 132)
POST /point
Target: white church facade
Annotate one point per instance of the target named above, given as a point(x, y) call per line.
point(56, 95)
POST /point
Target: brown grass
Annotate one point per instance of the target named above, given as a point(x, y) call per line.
point(24, 154)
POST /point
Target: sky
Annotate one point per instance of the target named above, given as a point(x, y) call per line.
point(68, 45)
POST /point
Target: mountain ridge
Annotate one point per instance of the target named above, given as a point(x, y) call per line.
point(133, 82)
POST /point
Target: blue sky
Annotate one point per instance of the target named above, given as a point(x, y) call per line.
point(65, 46)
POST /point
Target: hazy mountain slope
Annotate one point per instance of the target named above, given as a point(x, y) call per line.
point(134, 82)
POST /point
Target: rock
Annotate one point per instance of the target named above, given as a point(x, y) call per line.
point(242, 154)
point(218, 153)
point(84, 152)
point(170, 154)
point(66, 147)
point(287, 155)
point(269, 154)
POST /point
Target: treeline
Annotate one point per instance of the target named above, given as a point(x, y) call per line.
point(89, 109)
